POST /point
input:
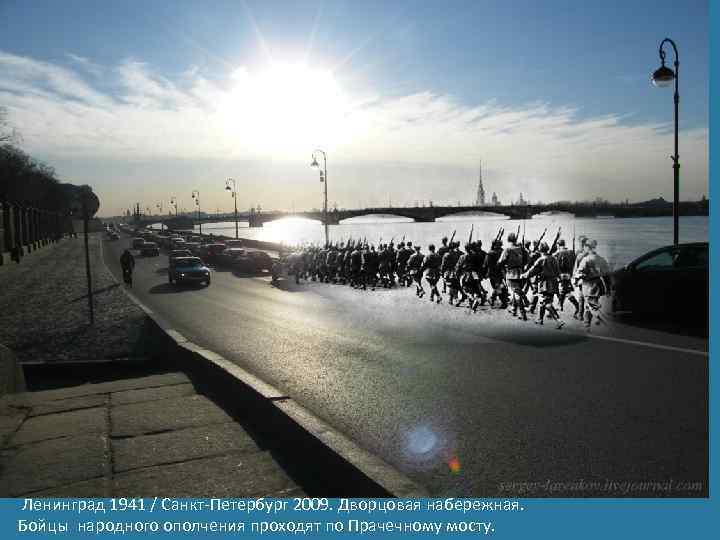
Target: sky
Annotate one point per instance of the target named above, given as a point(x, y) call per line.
point(148, 100)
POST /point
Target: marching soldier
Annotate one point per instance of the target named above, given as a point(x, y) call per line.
point(493, 271)
point(431, 266)
point(566, 265)
point(593, 270)
point(447, 269)
point(547, 272)
point(512, 260)
point(414, 267)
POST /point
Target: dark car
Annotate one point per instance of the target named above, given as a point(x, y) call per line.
point(177, 253)
point(137, 243)
point(254, 262)
point(114, 236)
point(189, 270)
point(149, 249)
point(670, 282)
point(210, 252)
point(228, 257)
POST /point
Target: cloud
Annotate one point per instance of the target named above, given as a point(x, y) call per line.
point(423, 143)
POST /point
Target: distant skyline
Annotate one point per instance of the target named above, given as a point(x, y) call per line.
point(145, 101)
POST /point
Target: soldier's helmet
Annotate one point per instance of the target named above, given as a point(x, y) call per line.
point(431, 247)
point(497, 244)
point(417, 248)
point(592, 244)
point(401, 245)
point(544, 248)
point(409, 244)
point(561, 242)
point(512, 237)
point(468, 247)
point(478, 244)
point(583, 239)
point(444, 239)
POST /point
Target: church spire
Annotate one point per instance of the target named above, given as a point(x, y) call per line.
point(480, 200)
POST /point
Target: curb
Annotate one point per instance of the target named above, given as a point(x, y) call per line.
point(12, 379)
point(353, 471)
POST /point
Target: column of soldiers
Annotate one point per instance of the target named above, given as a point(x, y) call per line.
point(523, 277)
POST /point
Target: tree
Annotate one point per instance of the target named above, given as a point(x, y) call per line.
point(8, 134)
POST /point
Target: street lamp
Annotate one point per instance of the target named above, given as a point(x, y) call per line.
point(160, 207)
point(196, 196)
point(323, 178)
point(662, 77)
point(234, 196)
point(173, 202)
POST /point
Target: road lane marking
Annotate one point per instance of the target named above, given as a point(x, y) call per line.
point(651, 345)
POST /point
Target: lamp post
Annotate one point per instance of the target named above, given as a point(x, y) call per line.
point(173, 202)
point(664, 76)
point(323, 178)
point(160, 207)
point(196, 196)
point(234, 196)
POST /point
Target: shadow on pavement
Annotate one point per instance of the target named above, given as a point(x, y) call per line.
point(248, 274)
point(97, 291)
point(286, 285)
point(167, 288)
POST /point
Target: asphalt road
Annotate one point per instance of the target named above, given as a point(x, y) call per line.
point(466, 404)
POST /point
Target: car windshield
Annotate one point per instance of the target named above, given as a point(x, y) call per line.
point(190, 263)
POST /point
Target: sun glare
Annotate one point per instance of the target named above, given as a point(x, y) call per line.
point(285, 110)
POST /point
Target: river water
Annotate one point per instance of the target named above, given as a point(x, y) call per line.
point(619, 240)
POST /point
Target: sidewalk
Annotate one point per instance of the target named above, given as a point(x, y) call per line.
point(44, 309)
point(145, 436)
point(146, 432)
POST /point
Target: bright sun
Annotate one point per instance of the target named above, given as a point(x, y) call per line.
point(285, 111)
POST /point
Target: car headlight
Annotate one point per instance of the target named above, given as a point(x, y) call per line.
point(182, 275)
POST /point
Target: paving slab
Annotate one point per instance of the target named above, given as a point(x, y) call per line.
point(164, 415)
point(152, 394)
point(181, 445)
point(33, 398)
point(70, 404)
point(96, 488)
point(9, 422)
point(239, 475)
point(51, 426)
point(53, 463)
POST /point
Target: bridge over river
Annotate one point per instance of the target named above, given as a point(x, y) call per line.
point(431, 213)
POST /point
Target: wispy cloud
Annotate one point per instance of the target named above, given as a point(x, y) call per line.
point(545, 151)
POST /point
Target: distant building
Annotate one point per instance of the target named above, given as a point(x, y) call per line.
point(480, 200)
point(495, 200)
point(521, 201)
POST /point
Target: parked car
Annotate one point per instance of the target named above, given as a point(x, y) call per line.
point(228, 257)
point(671, 282)
point(177, 243)
point(149, 249)
point(210, 252)
point(189, 270)
point(114, 236)
point(260, 261)
point(137, 243)
point(234, 243)
point(254, 261)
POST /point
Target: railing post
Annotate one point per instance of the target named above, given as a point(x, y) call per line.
point(17, 247)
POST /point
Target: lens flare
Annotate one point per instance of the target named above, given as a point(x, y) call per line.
point(454, 465)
